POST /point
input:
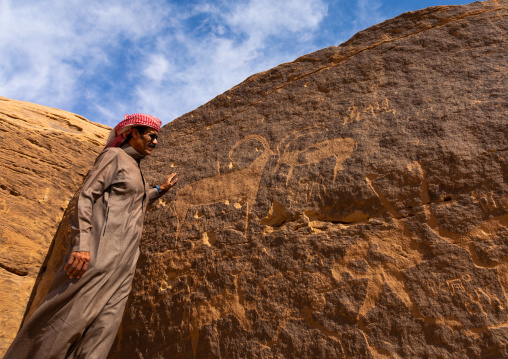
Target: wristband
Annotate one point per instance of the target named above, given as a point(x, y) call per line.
point(158, 188)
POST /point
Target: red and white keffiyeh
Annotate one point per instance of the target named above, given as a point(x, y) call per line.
point(122, 130)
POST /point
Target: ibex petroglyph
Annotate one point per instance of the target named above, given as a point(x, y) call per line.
point(240, 184)
point(244, 183)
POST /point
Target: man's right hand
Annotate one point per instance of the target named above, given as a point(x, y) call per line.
point(77, 264)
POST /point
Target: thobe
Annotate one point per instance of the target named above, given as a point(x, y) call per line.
point(80, 317)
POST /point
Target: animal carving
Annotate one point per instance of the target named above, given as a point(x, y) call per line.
point(341, 148)
point(244, 183)
point(241, 184)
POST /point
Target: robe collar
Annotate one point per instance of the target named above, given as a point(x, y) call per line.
point(132, 152)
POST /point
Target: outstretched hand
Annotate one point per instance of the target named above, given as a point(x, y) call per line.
point(77, 264)
point(169, 182)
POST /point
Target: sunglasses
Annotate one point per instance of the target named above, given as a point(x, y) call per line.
point(153, 136)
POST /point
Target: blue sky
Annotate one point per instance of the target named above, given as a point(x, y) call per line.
point(104, 59)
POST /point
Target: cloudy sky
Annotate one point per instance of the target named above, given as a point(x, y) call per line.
point(105, 58)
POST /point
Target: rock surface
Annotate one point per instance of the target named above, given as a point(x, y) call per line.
point(44, 155)
point(350, 204)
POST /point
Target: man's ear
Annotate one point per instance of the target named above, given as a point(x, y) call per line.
point(135, 133)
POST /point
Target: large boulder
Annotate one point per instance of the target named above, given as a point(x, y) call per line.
point(45, 154)
point(352, 203)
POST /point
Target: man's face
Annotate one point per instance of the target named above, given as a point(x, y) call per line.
point(144, 143)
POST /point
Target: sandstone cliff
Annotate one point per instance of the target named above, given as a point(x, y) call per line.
point(45, 154)
point(350, 204)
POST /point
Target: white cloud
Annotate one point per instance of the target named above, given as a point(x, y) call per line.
point(260, 18)
point(237, 48)
point(157, 68)
point(367, 13)
point(107, 58)
point(47, 46)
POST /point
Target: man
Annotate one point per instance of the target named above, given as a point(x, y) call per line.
point(83, 309)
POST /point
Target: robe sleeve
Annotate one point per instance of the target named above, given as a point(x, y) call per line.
point(101, 176)
point(153, 194)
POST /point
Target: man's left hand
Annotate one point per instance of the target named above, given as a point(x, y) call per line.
point(169, 182)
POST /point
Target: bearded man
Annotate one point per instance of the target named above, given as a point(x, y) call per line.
point(83, 309)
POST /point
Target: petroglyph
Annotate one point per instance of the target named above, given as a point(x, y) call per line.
point(357, 113)
point(483, 300)
point(243, 183)
point(310, 188)
point(477, 300)
point(296, 285)
point(340, 148)
point(490, 202)
point(395, 252)
point(455, 285)
point(430, 287)
point(384, 201)
point(474, 298)
point(424, 192)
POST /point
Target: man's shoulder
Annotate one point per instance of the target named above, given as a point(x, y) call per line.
point(113, 149)
point(111, 152)
point(108, 154)
point(118, 154)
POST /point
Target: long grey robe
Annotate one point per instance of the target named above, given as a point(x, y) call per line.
point(80, 317)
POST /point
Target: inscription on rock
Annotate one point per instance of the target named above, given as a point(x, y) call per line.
point(472, 295)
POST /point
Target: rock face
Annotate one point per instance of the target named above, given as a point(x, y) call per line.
point(45, 154)
point(352, 203)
